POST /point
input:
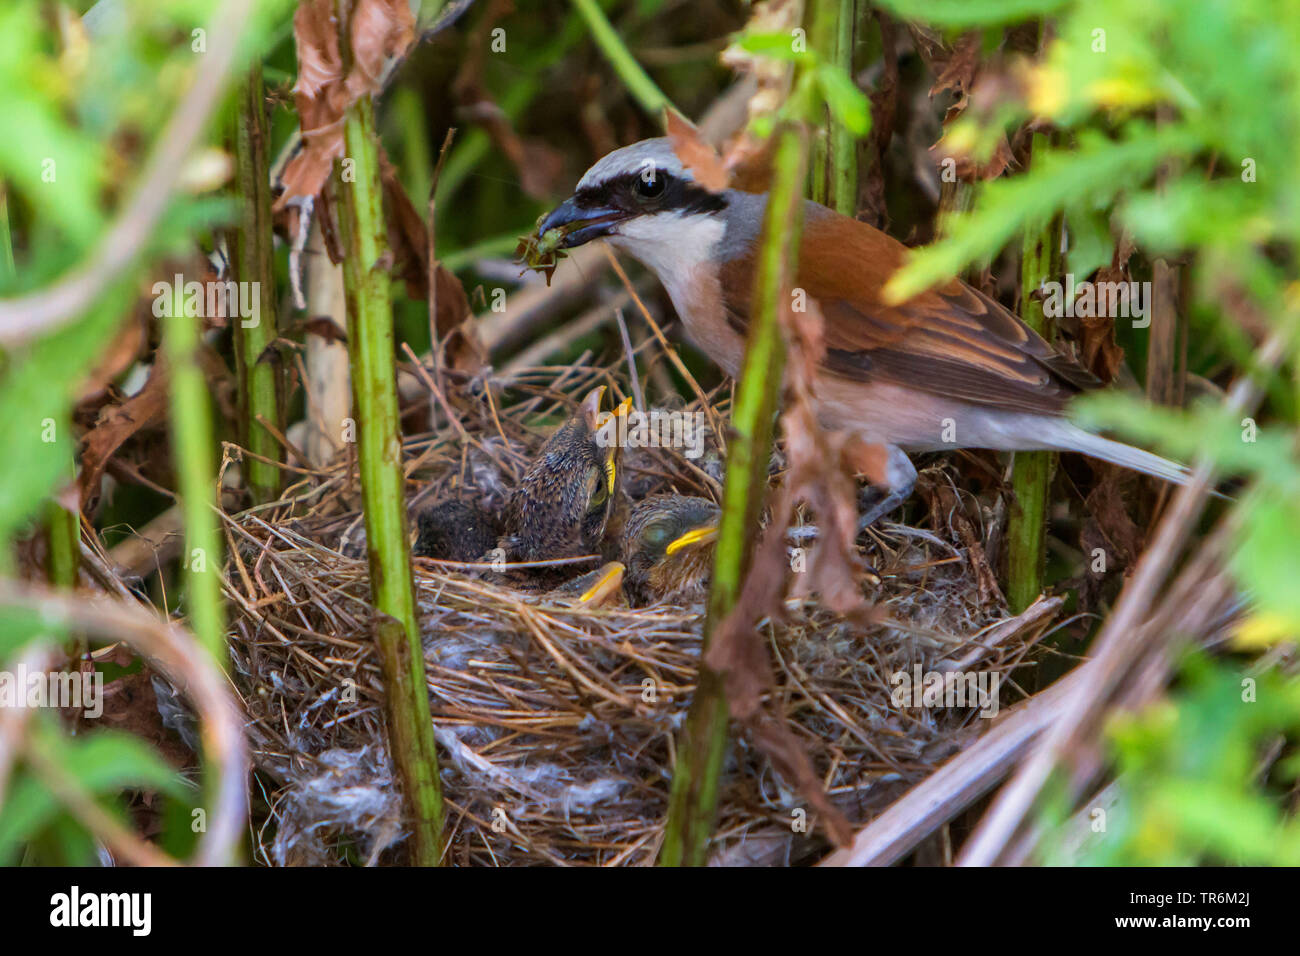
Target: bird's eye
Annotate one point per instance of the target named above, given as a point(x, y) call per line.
point(599, 490)
point(656, 534)
point(650, 185)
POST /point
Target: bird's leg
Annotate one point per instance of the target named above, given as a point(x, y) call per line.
point(878, 500)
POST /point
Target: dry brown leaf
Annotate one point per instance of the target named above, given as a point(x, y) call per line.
point(834, 567)
point(738, 653)
point(379, 30)
point(1102, 355)
point(696, 155)
point(965, 166)
point(116, 424)
point(954, 67)
point(127, 346)
point(408, 238)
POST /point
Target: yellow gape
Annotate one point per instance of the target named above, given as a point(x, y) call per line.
point(610, 473)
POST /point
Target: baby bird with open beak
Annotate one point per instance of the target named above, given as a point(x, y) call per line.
point(563, 507)
point(569, 494)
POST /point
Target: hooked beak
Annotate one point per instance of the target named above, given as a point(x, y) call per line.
point(579, 224)
point(695, 536)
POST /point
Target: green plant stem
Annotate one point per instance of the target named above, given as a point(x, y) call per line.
point(379, 456)
point(843, 144)
point(833, 165)
point(64, 529)
point(259, 392)
point(693, 799)
point(192, 444)
point(1027, 524)
point(6, 239)
point(636, 79)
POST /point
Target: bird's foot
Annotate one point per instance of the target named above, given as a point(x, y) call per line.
point(878, 502)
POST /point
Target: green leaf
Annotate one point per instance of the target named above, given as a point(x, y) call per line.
point(848, 104)
point(1091, 245)
point(103, 762)
point(971, 13)
point(778, 46)
point(1266, 561)
point(1093, 173)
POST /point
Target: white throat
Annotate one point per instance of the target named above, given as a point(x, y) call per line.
point(681, 251)
point(673, 246)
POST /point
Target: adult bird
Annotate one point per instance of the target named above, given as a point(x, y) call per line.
point(949, 368)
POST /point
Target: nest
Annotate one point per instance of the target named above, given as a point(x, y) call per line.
point(557, 722)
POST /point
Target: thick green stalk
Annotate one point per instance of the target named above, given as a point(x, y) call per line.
point(64, 530)
point(6, 239)
point(192, 445)
point(833, 165)
point(379, 456)
point(637, 80)
point(63, 536)
point(1027, 525)
point(843, 144)
point(255, 270)
point(694, 797)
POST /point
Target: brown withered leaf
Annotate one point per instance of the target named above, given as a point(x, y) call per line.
point(750, 164)
point(737, 652)
point(324, 326)
point(379, 30)
point(954, 67)
point(127, 346)
point(739, 655)
point(772, 79)
point(1108, 533)
point(1108, 511)
point(408, 238)
point(834, 568)
point(695, 154)
point(1102, 355)
point(966, 168)
point(116, 424)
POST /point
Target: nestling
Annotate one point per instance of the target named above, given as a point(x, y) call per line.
point(949, 368)
point(668, 548)
point(455, 531)
point(568, 495)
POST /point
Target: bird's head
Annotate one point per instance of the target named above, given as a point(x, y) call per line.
point(568, 494)
point(668, 546)
point(642, 199)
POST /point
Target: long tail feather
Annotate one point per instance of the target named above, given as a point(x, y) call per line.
point(1069, 437)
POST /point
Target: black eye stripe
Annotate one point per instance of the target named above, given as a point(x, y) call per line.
point(678, 194)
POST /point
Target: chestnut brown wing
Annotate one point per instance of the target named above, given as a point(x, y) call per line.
point(953, 341)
